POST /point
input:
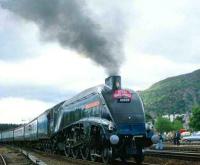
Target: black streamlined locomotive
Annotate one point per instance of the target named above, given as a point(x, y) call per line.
point(104, 122)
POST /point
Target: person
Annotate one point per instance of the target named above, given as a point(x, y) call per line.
point(174, 138)
point(178, 137)
point(159, 145)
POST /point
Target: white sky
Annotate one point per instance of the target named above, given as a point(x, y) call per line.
point(162, 40)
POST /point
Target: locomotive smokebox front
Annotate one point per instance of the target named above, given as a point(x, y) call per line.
point(114, 82)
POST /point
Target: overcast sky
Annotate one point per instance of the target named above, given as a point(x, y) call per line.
point(159, 39)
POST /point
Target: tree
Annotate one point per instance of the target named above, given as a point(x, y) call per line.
point(149, 118)
point(163, 125)
point(195, 119)
point(177, 125)
point(179, 118)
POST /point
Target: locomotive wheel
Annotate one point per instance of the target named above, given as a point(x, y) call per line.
point(54, 148)
point(84, 152)
point(139, 159)
point(48, 147)
point(67, 150)
point(75, 153)
point(93, 156)
point(45, 147)
point(41, 146)
point(123, 159)
point(106, 155)
point(75, 150)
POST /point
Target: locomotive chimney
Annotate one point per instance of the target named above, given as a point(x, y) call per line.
point(114, 82)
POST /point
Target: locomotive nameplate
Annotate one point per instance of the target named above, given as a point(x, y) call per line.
point(122, 94)
point(91, 105)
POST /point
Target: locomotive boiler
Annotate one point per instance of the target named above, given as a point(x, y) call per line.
point(106, 121)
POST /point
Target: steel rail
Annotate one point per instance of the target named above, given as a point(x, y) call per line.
point(174, 155)
point(81, 161)
point(3, 160)
point(183, 149)
point(69, 160)
point(33, 158)
point(30, 153)
point(184, 143)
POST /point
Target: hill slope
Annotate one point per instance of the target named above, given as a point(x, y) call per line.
point(173, 95)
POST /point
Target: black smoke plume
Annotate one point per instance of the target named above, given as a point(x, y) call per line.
point(68, 22)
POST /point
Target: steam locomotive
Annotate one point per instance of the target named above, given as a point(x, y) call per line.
point(104, 122)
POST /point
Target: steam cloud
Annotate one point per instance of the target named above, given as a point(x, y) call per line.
point(68, 22)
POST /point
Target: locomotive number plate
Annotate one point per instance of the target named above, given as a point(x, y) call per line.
point(124, 100)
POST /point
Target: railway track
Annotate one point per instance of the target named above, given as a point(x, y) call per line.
point(54, 159)
point(11, 156)
point(45, 158)
point(174, 155)
point(184, 143)
point(2, 160)
point(183, 149)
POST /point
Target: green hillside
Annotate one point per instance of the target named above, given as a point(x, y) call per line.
point(173, 95)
